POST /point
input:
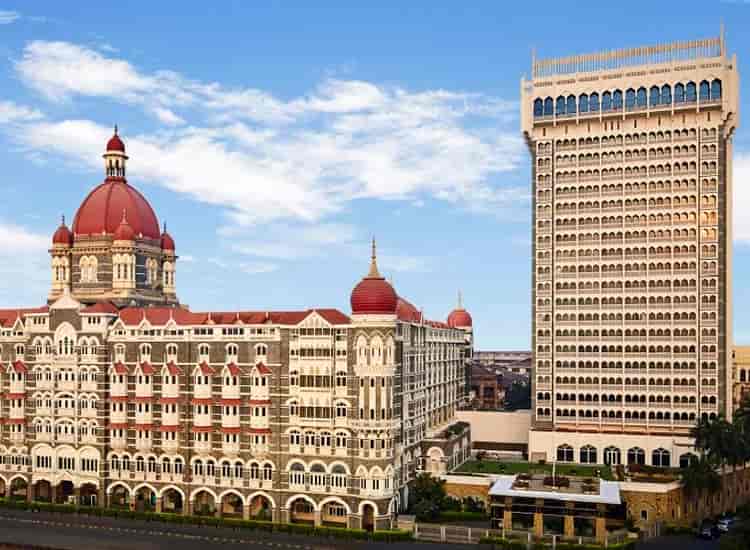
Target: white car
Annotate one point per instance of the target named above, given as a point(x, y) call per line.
point(724, 524)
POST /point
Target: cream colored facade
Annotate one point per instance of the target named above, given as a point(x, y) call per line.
point(632, 174)
point(741, 374)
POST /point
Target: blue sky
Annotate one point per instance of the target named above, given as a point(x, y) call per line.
point(276, 139)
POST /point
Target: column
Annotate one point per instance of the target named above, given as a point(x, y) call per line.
point(246, 511)
point(29, 492)
point(569, 530)
point(158, 505)
point(77, 494)
point(508, 514)
point(101, 498)
point(601, 524)
point(53, 493)
point(316, 516)
point(538, 518)
point(191, 507)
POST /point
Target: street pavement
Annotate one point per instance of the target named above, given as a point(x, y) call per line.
point(72, 532)
point(681, 542)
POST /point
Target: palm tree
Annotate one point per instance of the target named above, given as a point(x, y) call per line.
point(699, 478)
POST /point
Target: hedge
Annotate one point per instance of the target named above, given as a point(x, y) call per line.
point(258, 525)
point(452, 515)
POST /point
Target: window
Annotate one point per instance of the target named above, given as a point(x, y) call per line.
point(612, 456)
point(636, 455)
point(538, 107)
point(560, 106)
point(687, 459)
point(594, 102)
point(690, 92)
point(630, 99)
point(679, 93)
point(705, 91)
point(666, 95)
point(548, 106)
point(654, 97)
point(565, 453)
point(583, 104)
point(617, 99)
point(660, 457)
point(588, 455)
point(606, 101)
point(716, 89)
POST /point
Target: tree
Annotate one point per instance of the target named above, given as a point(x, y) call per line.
point(518, 396)
point(699, 477)
point(426, 497)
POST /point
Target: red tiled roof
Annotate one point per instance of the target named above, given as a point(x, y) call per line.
point(260, 430)
point(164, 428)
point(259, 402)
point(228, 430)
point(234, 370)
point(100, 307)
point(169, 400)
point(206, 369)
point(8, 317)
point(159, 316)
point(201, 401)
point(228, 401)
point(118, 398)
point(21, 395)
point(173, 369)
point(143, 399)
point(120, 368)
point(202, 429)
point(19, 366)
point(15, 421)
point(263, 369)
point(147, 368)
point(146, 427)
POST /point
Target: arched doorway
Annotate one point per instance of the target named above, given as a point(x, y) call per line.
point(204, 504)
point(64, 491)
point(119, 497)
point(231, 505)
point(261, 508)
point(2, 488)
point(368, 517)
point(18, 488)
point(171, 502)
point(43, 491)
point(145, 499)
point(302, 510)
point(89, 495)
point(334, 513)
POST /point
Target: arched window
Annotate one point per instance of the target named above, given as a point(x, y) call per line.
point(666, 95)
point(594, 102)
point(606, 101)
point(583, 104)
point(654, 96)
point(716, 89)
point(679, 93)
point(560, 106)
point(548, 107)
point(636, 455)
point(565, 453)
point(630, 99)
point(588, 454)
point(641, 98)
point(705, 91)
point(687, 459)
point(612, 456)
point(617, 100)
point(690, 92)
point(660, 457)
point(571, 108)
point(538, 107)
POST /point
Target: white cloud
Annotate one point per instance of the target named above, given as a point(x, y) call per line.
point(8, 17)
point(741, 177)
point(257, 268)
point(15, 239)
point(12, 112)
point(23, 258)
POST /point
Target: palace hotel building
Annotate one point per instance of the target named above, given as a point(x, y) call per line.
point(632, 255)
point(116, 394)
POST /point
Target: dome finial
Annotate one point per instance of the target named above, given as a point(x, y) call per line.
point(460, 301)
point(62, 218)
point(115, 129)
point(374, 273)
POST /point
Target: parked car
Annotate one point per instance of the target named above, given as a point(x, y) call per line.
point(708, 531)
point(725, 524)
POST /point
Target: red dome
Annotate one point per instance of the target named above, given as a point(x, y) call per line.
point(167, 242)
point(373, 295)
point(101, 212)
point(405, 311)
point(459, 318)
point(115, 143)
point(124, 231)
point(63, 235)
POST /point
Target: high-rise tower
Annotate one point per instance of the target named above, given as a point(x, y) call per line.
point(632, 218)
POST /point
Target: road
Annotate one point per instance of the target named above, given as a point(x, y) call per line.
point(72, 532)
point(681, 542)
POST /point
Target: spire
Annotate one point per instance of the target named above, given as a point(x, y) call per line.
point(165, 226)
point(460, 301)
point(62, 219)
point(115, 129)
point(374, 273)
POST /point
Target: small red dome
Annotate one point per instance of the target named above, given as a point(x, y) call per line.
point(405, 311)
point(373, 295)
point(115, 143)
point(459, 318)
point(167, 242)
point(124, 231)
point(63, 235)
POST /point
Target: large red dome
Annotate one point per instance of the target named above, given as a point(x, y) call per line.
point(459, 318)
point(373, 295)
point(101, 212)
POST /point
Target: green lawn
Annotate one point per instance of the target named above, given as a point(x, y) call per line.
point(495, 467)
